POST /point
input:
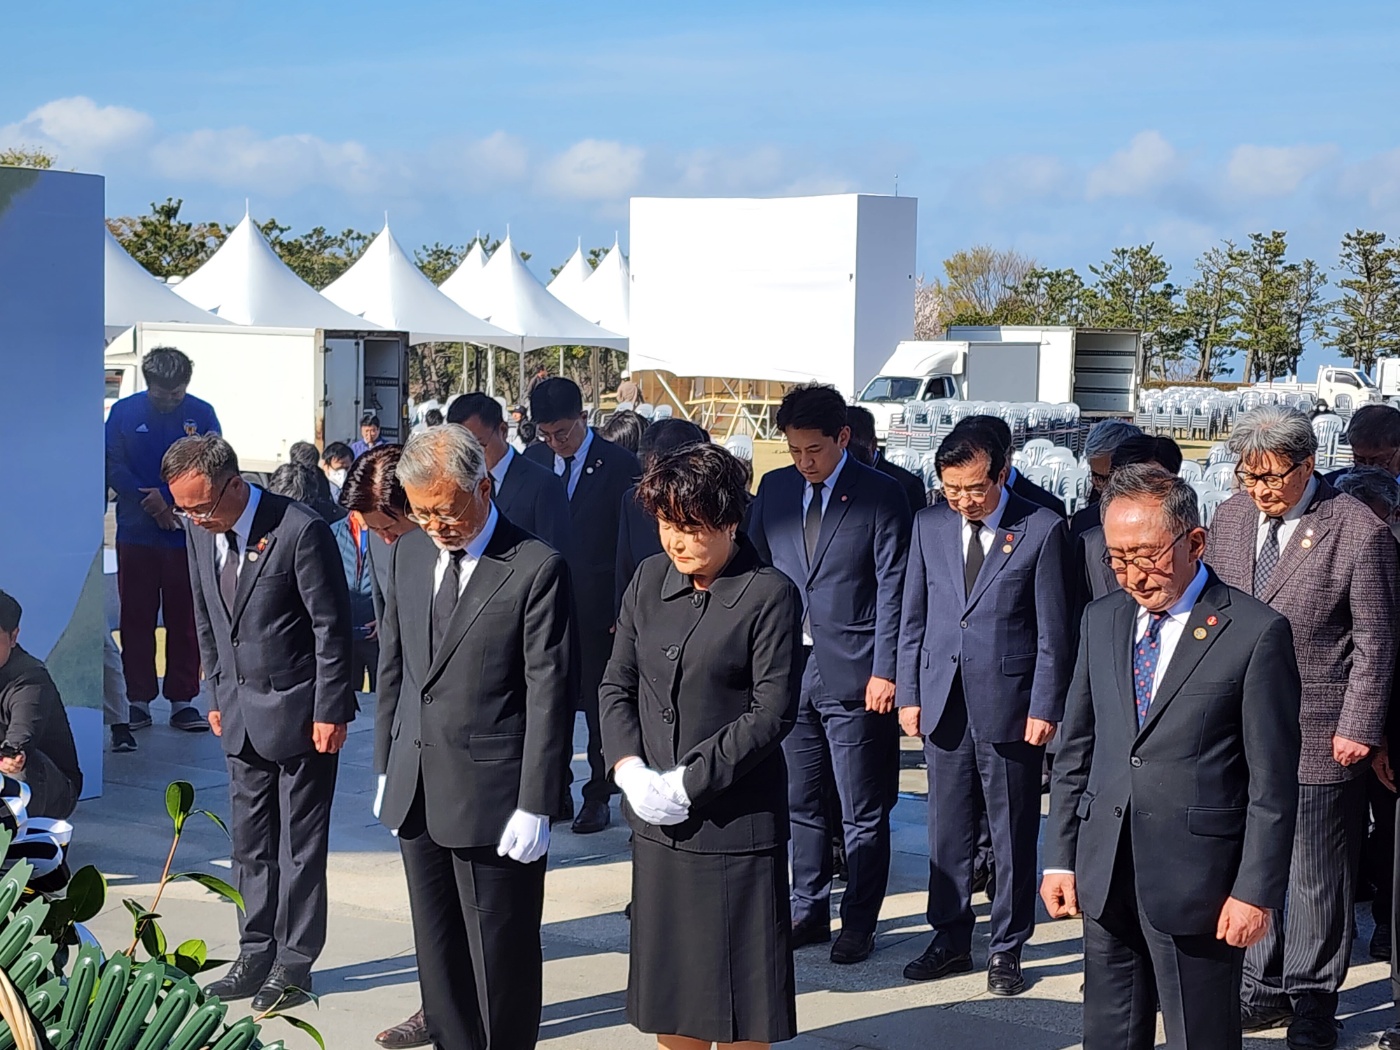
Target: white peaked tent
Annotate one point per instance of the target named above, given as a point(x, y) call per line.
point(605, 299)
point(468, 271)
point(246, 283)
point(133, 295)
point(568, 282)
point(385, 287)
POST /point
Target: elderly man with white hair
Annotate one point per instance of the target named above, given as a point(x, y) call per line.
point(472, 737)
point(1102, 441)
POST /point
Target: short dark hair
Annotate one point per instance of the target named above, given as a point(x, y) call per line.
point(483, 406)
point(1375, 426)
point(813, 406)
point(295, 481)
point(862, 423)
point(667, 435)
point(207, 455)
point(337, 450)
point(10, 613)
point(369, 419)
point(965, 444)
point(372, 483)
point(994, 425)
point(555, 399)
point(304, 454)
point(166, 367)
point(1148, 481)
point(433, 417)
point(695, 486)
point(1144, 448)
point(625, 428)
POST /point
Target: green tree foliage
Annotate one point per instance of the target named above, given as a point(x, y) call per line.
point(1365, 321)
point(1131, 290)
point(1049, 297)
point(25, 157)
point(317, 257)
point(979, 284)
point(1281, 305)
point(1209, 314)
point(438, 260)
point(165, 244)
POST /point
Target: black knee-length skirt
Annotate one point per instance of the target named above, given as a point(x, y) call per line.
point(711, 952)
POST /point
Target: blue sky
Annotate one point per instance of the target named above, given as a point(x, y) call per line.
point(1061, 130)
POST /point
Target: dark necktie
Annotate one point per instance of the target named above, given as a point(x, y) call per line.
point(228, 574)
point(1267, 560)
point(1145, 655)
point(812, 523)
point(568, 474)
point(975, 557)
point(445, 601)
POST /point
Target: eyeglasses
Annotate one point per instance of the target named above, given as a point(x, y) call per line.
point(205, 515)
point(1143, 562)
point(1272, 482)
point(423, 518)
point(975, 492)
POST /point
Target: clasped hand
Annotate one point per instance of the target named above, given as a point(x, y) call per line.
point(657, 798)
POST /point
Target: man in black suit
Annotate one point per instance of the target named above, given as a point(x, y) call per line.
point(1175, 789)
point(595, 473)
point(525, 492)
point(1017, 482)
point(1102, 441)
point(273, 616)
point(472, 740)
point(1374, 436)
point(840, 531)
point(864, 445)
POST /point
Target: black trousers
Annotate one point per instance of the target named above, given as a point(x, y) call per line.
point(1378, 855)
point(967, 780)
point(1130, 969)
point(476, 930)
point(280, 824)
point(595, 649)
point(1303, 959)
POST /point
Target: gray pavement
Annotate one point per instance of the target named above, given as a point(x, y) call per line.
point(367, 981)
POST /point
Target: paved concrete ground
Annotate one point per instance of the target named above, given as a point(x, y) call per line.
point(366, 977)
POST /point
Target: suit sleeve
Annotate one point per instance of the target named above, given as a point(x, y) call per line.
point(912, 622)
point(1070, 773)
point(1052, 618)
point(776, 663)
point(552, 514)
point(203, 627)
point(626, 565)
point(24, 709)
point(1272, 695)
point(891, 554)
point(548, 695)
point(618, 713)
point(390, 679)
point(326, 597)
point(756, 531)
point(1374, 607)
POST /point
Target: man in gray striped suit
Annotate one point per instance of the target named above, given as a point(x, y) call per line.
point(1323, 560)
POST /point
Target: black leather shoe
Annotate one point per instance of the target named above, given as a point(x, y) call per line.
point(413, 1032)
point(810, 932)
point(852, 947)
point(1312, 1033)
point(937, 962)
point(1262, 1018)
point(592, 817)
point(1389, 1040)
point(1004, 975)
point(243, 979)
point(274, 992)
point(1380, 940)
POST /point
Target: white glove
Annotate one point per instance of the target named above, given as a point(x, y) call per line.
point(379, 796)
point(673, 782)
point(526, 838)
point(647, 794)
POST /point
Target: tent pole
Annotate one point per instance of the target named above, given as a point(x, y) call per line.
point(491, 371)
point(593, 378)
point(521, 394)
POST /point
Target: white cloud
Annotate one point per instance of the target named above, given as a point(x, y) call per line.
point(79, 131)
point(1147, 164)
point(593, 169)
point(1019, 179)
point(1376, 180)
point(1274, 171)
point(238, 158)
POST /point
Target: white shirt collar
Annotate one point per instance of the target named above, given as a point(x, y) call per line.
point(477, 547)
point(1181, 609)
point(244, 525)
point(583, 448)
point(498, 472)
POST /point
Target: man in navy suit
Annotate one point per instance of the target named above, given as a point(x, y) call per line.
point(840, 531)
point(595, 473)
point(984, 663)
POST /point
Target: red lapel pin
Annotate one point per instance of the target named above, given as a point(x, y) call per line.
point(1211, 621)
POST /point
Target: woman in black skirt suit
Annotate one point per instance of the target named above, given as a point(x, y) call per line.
point(701, 689)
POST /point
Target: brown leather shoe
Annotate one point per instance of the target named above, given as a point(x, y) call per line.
point(413, 1032)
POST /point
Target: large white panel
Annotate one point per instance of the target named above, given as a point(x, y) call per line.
point(885, 260)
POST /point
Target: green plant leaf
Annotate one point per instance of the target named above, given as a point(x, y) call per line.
point(216, 819)
point(153, 937)
point(213, 884)
point(305, 1026)
point(87, 893)
point(137, 909)
point(179, 800)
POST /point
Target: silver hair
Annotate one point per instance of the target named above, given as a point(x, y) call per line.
point(1371, 485)
point(1106, 435)
point(1273, 429)
point(1148, 481)
point(207, 455)
point(440, 452)
point(293, 481)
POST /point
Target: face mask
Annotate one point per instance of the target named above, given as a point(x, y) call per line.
point(337, 478)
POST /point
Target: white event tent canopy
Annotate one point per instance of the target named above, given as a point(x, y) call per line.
point(245, 282)
point(605, 298)
point(468, 271)
point(132, 295)
point(384, 286)
point(569, 281)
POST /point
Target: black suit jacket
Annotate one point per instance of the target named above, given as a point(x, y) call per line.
point(593, 513)
point(1209, 783)
point(1030, 491)
point(637, 540)
point(534, 498)
point(914, 488)
point(1089, 516)
point(1093, 578)
point(710, 681)
point(282, 659)
point(484, 724)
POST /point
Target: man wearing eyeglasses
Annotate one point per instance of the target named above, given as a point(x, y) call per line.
point(984, 662)
point(1174, 791)
point(272, 611)
point(1324, 561)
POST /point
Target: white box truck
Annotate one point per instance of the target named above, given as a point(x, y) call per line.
point(272, 387)
point(1335, 379)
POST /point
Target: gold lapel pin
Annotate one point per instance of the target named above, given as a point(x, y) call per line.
point(1199, 634)
point(252, 555)
point(1006, 549)
point(1306, 544)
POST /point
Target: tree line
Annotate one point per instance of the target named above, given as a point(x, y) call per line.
point(1248, 301)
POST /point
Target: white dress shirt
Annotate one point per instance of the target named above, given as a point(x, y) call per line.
point(1290, 519)
point(988, 532)
point(582, 454)
point(241, 528)
point(827, 486)
point(498, 472)
point(475, 549)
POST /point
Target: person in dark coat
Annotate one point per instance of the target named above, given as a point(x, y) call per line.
point(701, 689)
point(1102, 441)
point(864, 445)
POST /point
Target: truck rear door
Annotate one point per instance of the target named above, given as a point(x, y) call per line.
point(1107, 370)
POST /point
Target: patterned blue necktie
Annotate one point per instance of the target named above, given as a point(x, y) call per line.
point(1145, 655)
